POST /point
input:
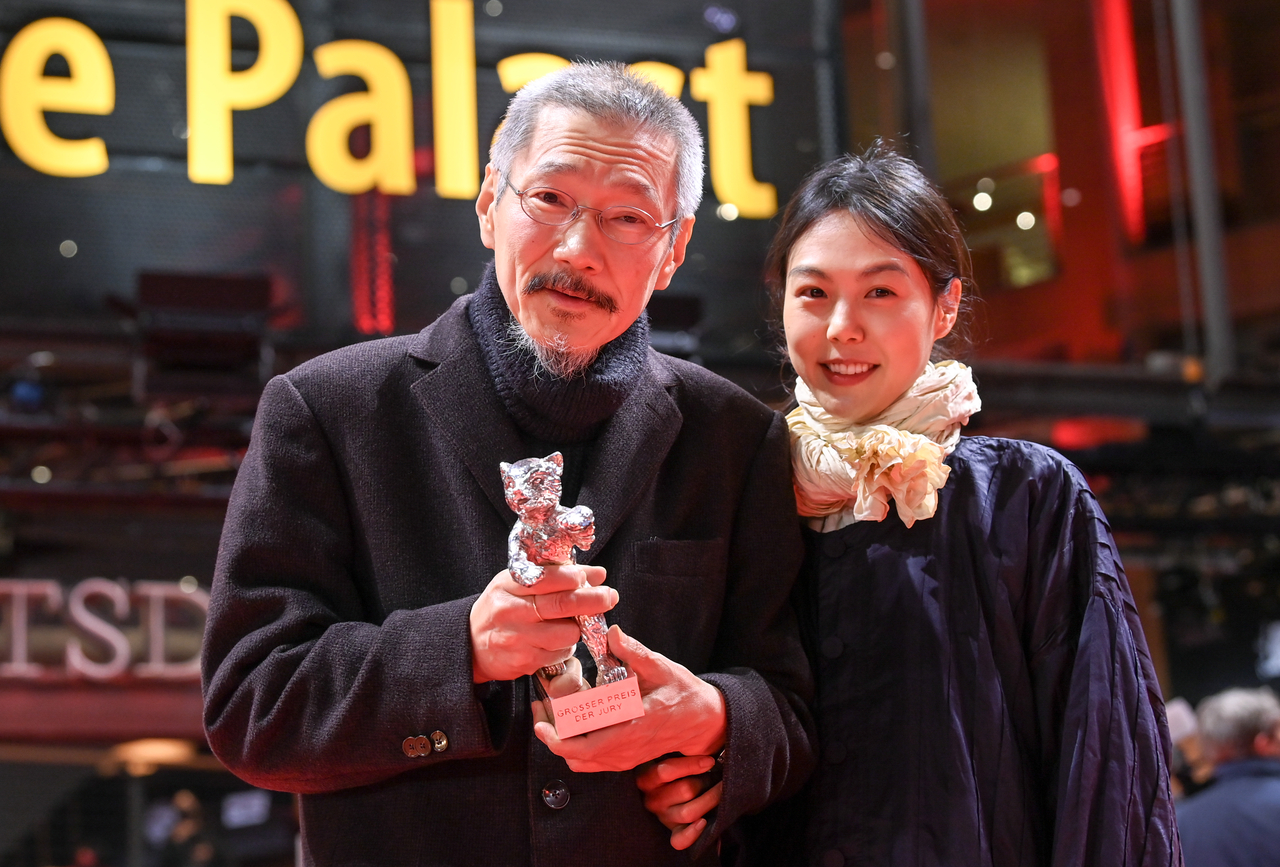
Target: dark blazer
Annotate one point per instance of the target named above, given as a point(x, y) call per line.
point(368, 515)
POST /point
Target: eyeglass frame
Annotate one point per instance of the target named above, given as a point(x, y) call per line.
point(578, 208)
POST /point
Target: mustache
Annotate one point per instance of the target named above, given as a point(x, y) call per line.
point(574, 284)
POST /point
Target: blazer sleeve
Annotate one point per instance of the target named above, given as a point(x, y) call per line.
point(303, 692)
point(1105, 740)
point(761, 667)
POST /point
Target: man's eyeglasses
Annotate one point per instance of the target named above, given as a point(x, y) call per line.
point(552, 207)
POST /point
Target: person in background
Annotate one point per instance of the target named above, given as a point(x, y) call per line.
point(1191, 767)
point(1235, 821)
point(984, 692)
point(191, 843)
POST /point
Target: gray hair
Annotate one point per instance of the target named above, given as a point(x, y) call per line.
point(608, 92)
point(1230, 720)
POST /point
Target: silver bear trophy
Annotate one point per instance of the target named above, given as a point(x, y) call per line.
point(546, 534)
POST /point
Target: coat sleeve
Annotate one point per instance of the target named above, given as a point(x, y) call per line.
point(303, 691)
point(1105, 741)
point(761, 666)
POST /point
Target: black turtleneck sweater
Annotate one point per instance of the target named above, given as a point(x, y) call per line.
point(555, 413)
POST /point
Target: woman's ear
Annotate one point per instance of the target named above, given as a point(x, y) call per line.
point(946, 309)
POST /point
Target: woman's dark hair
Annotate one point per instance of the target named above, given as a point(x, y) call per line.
point(889, 195)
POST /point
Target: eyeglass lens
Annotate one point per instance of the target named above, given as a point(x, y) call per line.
point(553, 207)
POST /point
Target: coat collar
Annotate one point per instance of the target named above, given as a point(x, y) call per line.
point(466, 412)
point(461, 402)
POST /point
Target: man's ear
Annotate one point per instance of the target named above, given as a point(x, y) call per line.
point(486, 204)
point(675, 253)
point(1267, 744)
point(947, 309)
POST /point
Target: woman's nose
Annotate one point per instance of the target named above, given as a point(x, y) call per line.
point(844, 324)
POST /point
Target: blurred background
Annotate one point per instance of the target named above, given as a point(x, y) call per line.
point(1115, 164)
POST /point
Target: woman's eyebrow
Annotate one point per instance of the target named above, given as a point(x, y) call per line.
point(808, 271)
point(881, 267)
point(869, 271)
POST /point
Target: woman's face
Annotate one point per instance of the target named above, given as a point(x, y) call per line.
point(860, 317)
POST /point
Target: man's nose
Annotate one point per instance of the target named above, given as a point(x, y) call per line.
point(581, 242)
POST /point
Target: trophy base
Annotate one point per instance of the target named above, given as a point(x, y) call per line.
point(596, 708)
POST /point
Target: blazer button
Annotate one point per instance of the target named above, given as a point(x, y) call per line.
point(439, 741)
point(832, 647)
point(410, 747)
point(555, 795)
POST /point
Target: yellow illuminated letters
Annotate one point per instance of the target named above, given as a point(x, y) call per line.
point(519, 69)
point(453, 92)
point(728, 89)
point(666, 76)
point(26, 93)
point(214, 90)
point(387, 108)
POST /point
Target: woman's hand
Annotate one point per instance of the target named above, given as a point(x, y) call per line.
point(676, 791)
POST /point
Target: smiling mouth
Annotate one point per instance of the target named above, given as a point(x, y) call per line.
point(849, 368)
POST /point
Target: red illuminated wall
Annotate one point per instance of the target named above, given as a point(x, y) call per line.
point(1076, 316)
point(1116, 292)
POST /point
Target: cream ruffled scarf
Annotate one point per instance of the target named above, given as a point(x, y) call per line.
point(847, 472)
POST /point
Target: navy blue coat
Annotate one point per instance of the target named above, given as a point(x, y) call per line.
point(367, 517)
point(1236, 821)
point(984, 691)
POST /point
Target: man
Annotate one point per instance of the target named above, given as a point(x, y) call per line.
point(366, 646)
point(1235, 822)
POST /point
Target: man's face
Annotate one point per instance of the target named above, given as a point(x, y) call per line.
point(571, 285)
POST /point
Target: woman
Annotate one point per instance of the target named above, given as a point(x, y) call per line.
point(985, 695)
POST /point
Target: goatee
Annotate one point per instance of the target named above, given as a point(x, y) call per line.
point(558, 359)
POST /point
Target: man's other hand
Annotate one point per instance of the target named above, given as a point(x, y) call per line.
point(517, 630)
point(676, 791)
point(682, 714)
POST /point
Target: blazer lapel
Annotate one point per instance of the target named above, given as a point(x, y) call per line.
point(462, 404)
point(633, 446)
